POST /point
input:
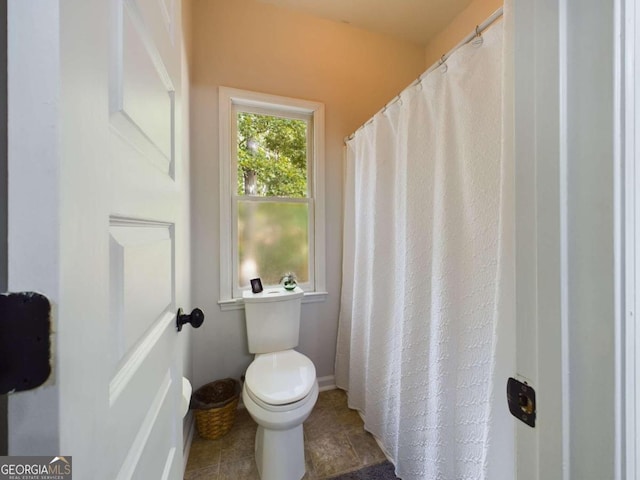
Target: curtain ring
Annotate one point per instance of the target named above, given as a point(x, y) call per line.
point(443, 64)
point(477, 40)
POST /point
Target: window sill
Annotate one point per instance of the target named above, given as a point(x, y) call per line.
point(238, 303)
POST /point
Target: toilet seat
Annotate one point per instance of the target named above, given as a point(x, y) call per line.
point(287, 407)
point(280, 378)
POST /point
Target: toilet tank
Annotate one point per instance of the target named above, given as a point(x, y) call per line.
point(273, 319)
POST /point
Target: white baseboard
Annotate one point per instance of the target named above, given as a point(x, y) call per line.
point(327, 383)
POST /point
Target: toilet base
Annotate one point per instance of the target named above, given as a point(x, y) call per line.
point(280, 453)
point(279, 444)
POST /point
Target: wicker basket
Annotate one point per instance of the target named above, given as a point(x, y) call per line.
point(215, 405)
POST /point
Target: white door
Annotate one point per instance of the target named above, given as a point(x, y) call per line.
point(98, 211)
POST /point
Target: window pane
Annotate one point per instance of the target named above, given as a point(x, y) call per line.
point(272, 239)
point(272, 156)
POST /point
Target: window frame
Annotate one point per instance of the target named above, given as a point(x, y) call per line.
point(232, 100)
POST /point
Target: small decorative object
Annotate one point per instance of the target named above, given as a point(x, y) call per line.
point(288, 280)
point(256, 285)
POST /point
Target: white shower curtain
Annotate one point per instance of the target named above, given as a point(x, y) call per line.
point(427, 272)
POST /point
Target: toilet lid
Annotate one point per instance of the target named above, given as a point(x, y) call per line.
point(280, 377)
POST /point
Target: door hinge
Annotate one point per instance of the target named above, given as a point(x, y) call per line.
point(25, 345)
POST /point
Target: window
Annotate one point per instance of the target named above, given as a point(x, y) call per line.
point(271, 192)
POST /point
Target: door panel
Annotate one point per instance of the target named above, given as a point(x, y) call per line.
point(147, 94)
point(141, 271)
point(142, 95)
point(141, 393)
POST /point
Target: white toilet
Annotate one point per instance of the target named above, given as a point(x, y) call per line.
point(280, 387)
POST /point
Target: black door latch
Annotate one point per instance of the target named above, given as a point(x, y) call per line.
point(522, 401)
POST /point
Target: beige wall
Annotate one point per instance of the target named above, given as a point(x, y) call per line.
point(476, 13)
point(255, 46)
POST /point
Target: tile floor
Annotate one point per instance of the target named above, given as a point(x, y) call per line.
point(334, 439)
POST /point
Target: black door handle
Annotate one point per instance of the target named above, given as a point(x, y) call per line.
point(195, 318)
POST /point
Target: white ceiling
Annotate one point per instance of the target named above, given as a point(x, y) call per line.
point(414, 20)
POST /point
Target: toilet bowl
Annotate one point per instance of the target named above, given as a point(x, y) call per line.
point(279, 392)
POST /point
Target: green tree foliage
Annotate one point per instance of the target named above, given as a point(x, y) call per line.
point(272, 156)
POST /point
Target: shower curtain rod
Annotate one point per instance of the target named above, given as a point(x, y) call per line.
point(442, 60)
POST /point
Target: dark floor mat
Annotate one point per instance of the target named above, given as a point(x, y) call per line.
point(381, 471)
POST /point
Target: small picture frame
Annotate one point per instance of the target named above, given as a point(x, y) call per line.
point(256, 285)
